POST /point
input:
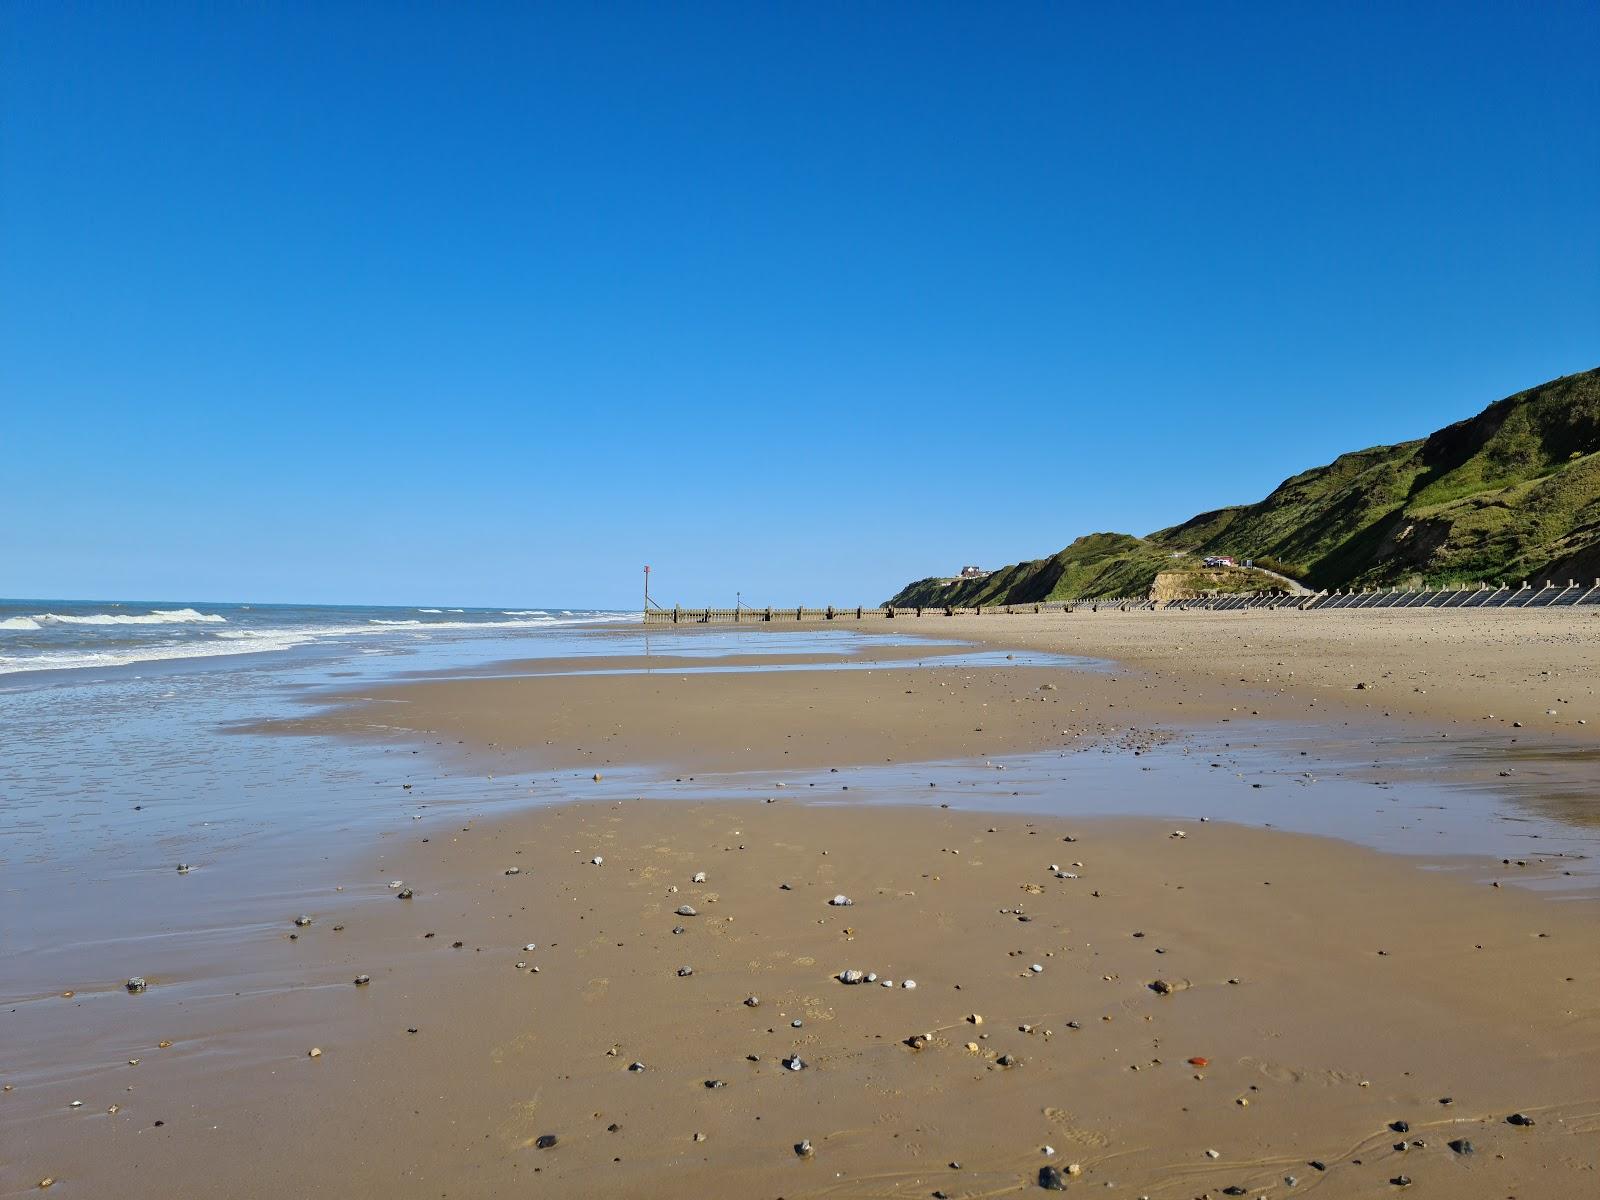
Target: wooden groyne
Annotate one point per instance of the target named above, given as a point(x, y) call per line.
point(1546, 595)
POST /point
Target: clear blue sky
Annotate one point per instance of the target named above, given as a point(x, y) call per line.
point(493, 304)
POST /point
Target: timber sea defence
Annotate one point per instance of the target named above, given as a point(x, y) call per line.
point(1549, 594)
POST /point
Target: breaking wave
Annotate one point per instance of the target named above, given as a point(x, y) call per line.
point(159, 616)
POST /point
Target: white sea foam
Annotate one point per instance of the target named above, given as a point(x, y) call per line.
point(24, 623)
point(220, 642)
point(78, 660)
point(159, 616)
point(527, 622)
point(429, 610)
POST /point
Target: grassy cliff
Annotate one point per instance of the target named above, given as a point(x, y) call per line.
point(1510, 494)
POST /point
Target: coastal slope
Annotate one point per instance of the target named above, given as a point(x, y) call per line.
point(1510, 494)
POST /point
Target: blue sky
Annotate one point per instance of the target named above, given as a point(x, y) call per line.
point(489, 304)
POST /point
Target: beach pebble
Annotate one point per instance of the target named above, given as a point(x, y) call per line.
point(636, 1066)
point(698, 877)
point(396, 883)
point(752, 1001)
point(513, 870)
point(1517, 1118)
point(530, 946)
point(546, 1141)
point(908, 984)
point(686, 910)
point(362, 980)
point(1165, 987)
point(1461, 1146)
point(841, 901)
point(302, 921)
point(403, 894)
point(1074, 1169)
point(851, 976)
point(1212, 1154)
point(685, 972)
point(803, 1148)
point(1051, 1179)
point(596, 860)
point(136, 984)
point(184, 868)
point(1009, 1060)
point(795, 1063)
point(314, 1052)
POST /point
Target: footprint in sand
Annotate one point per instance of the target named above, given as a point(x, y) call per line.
point(1070, 1131)
point(520, 1044)
point(815, 1009)
point(1283, 1073)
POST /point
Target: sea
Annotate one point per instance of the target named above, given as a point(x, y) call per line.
point(77, 635)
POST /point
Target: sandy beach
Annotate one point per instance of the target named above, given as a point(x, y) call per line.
point(525, 670)
point(1524, 678)
point(609, 995)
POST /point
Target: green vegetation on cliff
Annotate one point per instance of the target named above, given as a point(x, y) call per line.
point(1510, 494)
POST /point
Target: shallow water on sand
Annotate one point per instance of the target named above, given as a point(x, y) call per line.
point(1539, 828)
point(109, 780)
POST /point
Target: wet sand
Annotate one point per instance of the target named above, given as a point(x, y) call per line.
point(1369, 989)
point(1333, 990)
point(677, 714)
point(1532, 677)
point(1484, 671)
